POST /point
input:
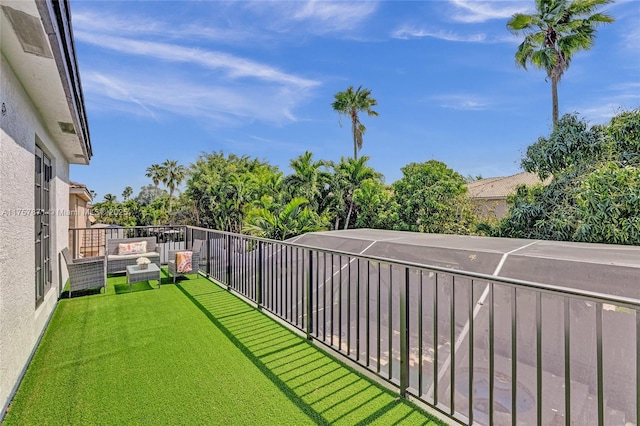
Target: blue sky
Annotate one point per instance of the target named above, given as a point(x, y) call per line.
point(173, 79)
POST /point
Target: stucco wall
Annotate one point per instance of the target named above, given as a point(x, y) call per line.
point(20, 322)
point(491, 207)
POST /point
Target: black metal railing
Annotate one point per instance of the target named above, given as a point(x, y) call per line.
point(477, 348)
point(89, 242)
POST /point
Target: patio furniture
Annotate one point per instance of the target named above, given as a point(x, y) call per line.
point(136, 274)
point(172, 264)
point(84, 273)
point(118, 259)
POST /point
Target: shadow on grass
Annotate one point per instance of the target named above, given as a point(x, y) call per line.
point(81, 293)
point(327, 390)
point(139, 286)
point(119, 284)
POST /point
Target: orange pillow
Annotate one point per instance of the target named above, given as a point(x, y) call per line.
point(183, 261)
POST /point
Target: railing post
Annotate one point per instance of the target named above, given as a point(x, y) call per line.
point(404, 334)
point(228, 283)
point(259, 277)
point(75, 243)
point(207, 241)
point(310, 296)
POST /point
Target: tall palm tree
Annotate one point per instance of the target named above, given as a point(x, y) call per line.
point(350, 103)
point(156, 173)
point(128, 191)
point(554, 33)
point(172, 176)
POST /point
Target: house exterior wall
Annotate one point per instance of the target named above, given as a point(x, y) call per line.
point(78, 218)
point(21, 322)
point(491, 207)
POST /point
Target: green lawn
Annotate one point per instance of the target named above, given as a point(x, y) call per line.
point(189, 354)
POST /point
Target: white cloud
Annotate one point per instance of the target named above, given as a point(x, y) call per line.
point(632, 88)
point(602, 112)
point(461, 102)
point(334, 16)
point(314, 16)
point(221, 104)
point(234, 66)
point(106, 23)
point(219, 87)
point(407, 32)
point(621, 97)
point(115, 90)
point(631, 39)
point(476, 11)
point(257, 144)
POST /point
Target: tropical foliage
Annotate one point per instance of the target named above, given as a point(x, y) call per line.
point(554, 33)
point(276, 221)
point(126, 193)
point(594, 194)
point(222, 187)
point(431, 197)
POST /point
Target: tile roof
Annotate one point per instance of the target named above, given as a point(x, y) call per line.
point(500, 187)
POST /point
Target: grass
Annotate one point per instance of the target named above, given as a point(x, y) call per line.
point(190, 353)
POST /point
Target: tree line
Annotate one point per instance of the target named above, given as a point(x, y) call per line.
point(593, 194)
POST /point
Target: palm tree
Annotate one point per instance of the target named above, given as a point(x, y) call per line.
point(110, 198)
point(127, 193)
point(172, 176)
point(353, 173)
point(554, 33)
point(272, 220)
point(156, 173)
point(308, 178)
point(350, 103)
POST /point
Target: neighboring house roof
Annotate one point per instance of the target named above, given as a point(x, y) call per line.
point(80, 190)
point(37, 41)
point(501, 187)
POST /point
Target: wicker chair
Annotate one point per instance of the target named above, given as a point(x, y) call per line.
point(195, 260)
point(85, 273)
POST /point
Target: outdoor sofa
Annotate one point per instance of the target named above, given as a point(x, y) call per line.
point(122, 252)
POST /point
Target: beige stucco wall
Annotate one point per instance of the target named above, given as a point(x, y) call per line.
point(78, 218)
point(20, 322)
point(495, 208)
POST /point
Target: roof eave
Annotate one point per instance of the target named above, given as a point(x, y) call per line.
point(56, 20)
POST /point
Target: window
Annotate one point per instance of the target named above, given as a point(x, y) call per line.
point(42, 205)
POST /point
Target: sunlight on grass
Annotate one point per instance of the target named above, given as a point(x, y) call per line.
point(189, 354)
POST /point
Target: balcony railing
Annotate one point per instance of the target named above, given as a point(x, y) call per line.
point(88, 242)
point(477, 348)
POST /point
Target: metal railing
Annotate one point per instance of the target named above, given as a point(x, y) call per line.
point(89, 242)
point(478, 348)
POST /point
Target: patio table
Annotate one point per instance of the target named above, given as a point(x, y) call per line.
point(135, 274)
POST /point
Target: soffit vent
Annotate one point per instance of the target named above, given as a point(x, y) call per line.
point(67, 128)
point(28, 29)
